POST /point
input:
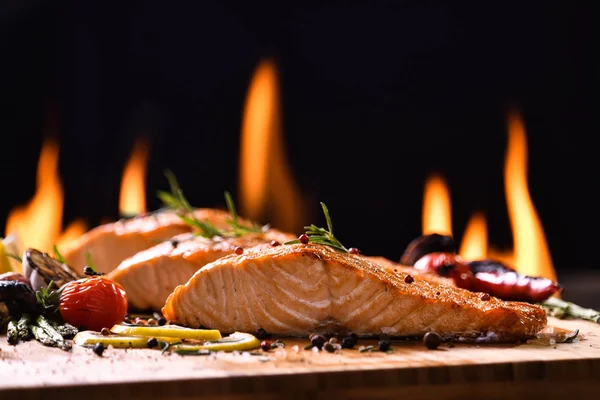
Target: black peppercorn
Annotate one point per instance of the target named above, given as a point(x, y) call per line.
point(348, 342)
point(261, 333)
point(318, 341)
point(152, 343)
point(99, 348)
point(329, 347)
point(161, 321)
point(104, 331)
point(432, 340)
point(384, 345)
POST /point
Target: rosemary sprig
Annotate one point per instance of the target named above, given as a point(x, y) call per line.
point(563, 309)
point(239, 228)
point(175, 200)
point(47, 298)
point(321, 235)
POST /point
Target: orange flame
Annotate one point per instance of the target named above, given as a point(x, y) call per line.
point(38, 223)
point(531, 255)
point(437, 217)
point(267, 187)
point(132, 199)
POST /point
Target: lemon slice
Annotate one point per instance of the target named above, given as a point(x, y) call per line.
point(173, 331)
point(236, 341)
point(4, 261)
point(10, 245)
point(90, 338)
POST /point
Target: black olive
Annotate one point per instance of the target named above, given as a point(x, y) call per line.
point(432, 340)
point(426, 244)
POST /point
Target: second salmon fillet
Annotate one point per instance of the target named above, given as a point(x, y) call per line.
point(296, 290)
point(150, 276)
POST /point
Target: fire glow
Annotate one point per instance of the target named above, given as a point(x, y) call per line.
point(531, 255)
point(132, 198)
point(38, 223)
point(266, 182)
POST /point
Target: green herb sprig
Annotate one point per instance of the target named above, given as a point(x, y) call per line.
point(321, 235)
point(47, 298)
point(175, 200)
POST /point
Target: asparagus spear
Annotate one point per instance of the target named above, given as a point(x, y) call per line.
point(12, 332)
point(43, 323)
point(561, 309)
point(23, 327)
point(66, 330)
point(42, 336)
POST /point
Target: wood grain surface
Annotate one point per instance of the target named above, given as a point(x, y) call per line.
point(31, 371)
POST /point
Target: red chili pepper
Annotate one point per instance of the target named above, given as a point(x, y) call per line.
point(449, 265)
point(503, 282)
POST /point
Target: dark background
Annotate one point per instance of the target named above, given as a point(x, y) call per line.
point(375, 97)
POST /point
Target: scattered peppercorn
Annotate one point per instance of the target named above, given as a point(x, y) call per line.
point(318, 341)
point(384, 345)
point(485, 297)
point(409, 279)
point(348, 342)
point(152, 343)
point(104, 331)
point(275, 243)
point(261, 333)
point(353, 250)
point(239, 250)
point(354, 336)
point(152, 321)
point(265, 345)
point(161, 321)
point(99, 348)
point(303, 238)
point(329, 347)
point(174, 243)
point(432, 340)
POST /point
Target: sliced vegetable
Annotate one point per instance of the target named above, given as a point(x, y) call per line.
point(41, 269)
point(90, 338)
point(236, 341)
point(173, 331)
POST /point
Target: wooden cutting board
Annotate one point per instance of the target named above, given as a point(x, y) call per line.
point(31, 371)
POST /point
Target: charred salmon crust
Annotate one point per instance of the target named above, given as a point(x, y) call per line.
point(295, 290)
point(151, 275)
point(109, 244)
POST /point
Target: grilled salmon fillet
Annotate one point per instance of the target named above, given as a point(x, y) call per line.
point(151, 275)
point(109, 244)
point(295, 290)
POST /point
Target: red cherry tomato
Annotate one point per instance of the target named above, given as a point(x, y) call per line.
point(94, 302)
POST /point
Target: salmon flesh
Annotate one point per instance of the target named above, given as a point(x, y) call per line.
point(109, 244)
point(151, 275)
point(296, 290)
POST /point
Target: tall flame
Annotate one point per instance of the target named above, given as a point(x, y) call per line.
point(266, 184)
point(132, 198)
point(437, 215)
point(38, 223)
point(531, 255)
